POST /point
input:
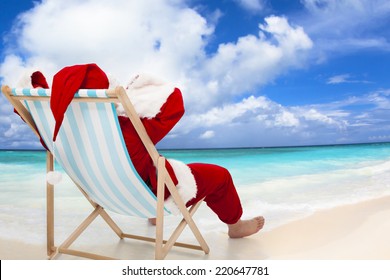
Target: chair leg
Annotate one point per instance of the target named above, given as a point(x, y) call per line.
point(80, 229)
point(159, 254)
point(187, 216)
point(64, 247)
point(179, 229)
point(162, 180)
point(197, 233)
point(50, 208)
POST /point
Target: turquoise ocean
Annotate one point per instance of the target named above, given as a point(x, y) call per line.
point(282, 184)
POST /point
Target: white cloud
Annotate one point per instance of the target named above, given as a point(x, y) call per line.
point(167, 38)
point(260, 121)
point(344, 78)
point(207, 134)
point(314, 115)
point(252, 5)
point(338, 79)
point(227, 114)
point(123, 37)
point(286, 119)
point(14, 133)
point(254, 61)
point(265, 113)
point(14, 129)
point(380, 138)
point(13, 69)
point(380, 99)
point(364, 8)
point(342, 25)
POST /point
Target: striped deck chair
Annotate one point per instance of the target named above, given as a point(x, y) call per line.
point(91, 150)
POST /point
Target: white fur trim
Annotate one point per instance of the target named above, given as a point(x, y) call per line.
point(25, 81)
point(148, 94)
point(112, 81)
point(186, 186)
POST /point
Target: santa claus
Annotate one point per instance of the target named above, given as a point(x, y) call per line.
point(160, 106)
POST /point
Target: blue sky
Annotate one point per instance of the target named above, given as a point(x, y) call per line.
point(253, 72)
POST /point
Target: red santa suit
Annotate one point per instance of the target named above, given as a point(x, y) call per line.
point(160, 106)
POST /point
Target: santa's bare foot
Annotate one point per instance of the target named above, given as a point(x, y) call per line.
point(152, 221)
point(246, 227)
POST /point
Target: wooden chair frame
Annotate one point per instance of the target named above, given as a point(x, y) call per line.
point(162, 247)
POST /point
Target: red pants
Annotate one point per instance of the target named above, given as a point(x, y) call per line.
point(215, 185)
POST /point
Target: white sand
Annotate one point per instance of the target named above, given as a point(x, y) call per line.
point(353, 232)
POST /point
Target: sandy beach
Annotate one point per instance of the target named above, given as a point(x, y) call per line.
point(351, 232)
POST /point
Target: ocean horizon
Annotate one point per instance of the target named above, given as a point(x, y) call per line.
point(281, 183)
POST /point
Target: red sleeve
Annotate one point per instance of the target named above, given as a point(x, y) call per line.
point(157, 127)
point(170, 113)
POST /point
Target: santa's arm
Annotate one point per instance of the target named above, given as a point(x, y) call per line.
point(170, 113)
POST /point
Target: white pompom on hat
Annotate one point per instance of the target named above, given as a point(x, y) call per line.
point(53, 177)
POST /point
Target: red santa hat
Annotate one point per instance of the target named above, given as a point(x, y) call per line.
point(67, 82)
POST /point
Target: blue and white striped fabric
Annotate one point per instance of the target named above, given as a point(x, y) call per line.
point(91, 150)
